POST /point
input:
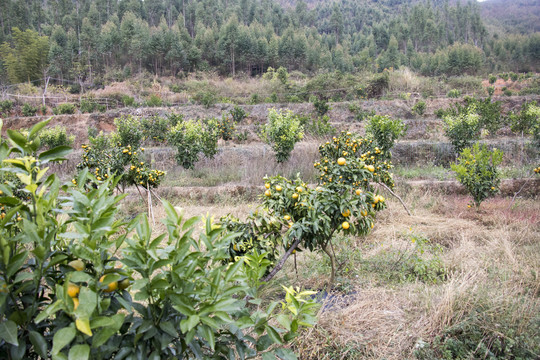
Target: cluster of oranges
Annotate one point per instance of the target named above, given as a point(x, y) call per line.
point(537, 170)
point(73, 290)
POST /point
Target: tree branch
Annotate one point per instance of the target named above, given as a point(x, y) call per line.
point(394, 194)
point(281, 261)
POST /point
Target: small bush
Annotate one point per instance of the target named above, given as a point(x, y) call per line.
point(454, 94)
point(191, 138)
point(5, 107)
point(255, 99)
point(64, 109)
point(154, 101)
point(492, 79)
point(504, 76)
point(514, 76)
point(378, 84)
point(321, 106)
point(238, 114)
point(155, 128)
point(29, 110)
point(282, 132)
point(55, 136)
point(507, 92)
point(490, 91)
point(385, 131)
point(225, 127)
point(423, 263)
point(205, 98)
point(129, 131)
point(419, 108)
point(90, 105)
point(175, 88)
point(476, 169)
point(319, 126)
point(462, 129)
point(127, 100)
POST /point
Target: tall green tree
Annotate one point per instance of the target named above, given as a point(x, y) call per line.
point(26, 58)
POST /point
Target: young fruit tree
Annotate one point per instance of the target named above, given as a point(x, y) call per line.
point(300, 217)
point(476, 169)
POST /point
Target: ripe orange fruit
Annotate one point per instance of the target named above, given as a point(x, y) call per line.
point(77, 265)
point(371, 168)
point(111, 286)
point(73, 290)
point(235, 248)
point(363, 212)
point(295, 196)
point(278, 188)
point(267, 185)
point(75, 303)
point(341, 161)
point(346, 213)
point(358, 191)
point(268, 193)
point(287, 217)
point(345, 225)
point(299, 189)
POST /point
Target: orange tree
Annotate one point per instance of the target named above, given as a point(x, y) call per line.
point(343, 202)
point(67, 270)
point(104, 157)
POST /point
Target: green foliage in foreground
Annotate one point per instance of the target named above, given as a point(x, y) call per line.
point(67, 262)
point(476, 169)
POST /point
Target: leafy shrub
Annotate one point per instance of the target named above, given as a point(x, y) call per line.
point(155, 128)
point(441, 113)
point(127, 100)
point(129, 130)
point(321, 106)
point(514, 76)
point(454, 93)
point(419, 108)
point(29, 110)
point(462, 129)
point(56, 136)
point(504, 76)
point(154, 101)
point(5, 107)
point(378, 84)
point(64, 293)
point(423, 263)
point(225, 127)
point(255, 99)
point(385, 131)
point(492, 79)
point(192, 138)
point(507, 92)
point(490, 91)
point(89, 105)
point(485, 329)
point(175, 88)
point(174, 118)
point(238, 114)
point(476, 169)
point(282, 132)
point(64, 109)
point(206, 98)
point(320, 126)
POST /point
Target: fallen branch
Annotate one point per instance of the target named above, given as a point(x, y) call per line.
point(394, 194)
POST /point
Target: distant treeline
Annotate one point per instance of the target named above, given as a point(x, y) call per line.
point(83, 40)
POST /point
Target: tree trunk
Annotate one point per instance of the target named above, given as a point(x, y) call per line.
point(330, 254)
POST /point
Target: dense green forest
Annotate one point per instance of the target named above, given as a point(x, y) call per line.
point(88, 40)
